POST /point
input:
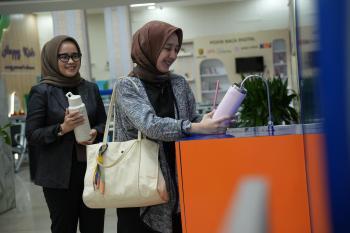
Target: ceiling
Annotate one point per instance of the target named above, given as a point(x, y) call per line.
point(30, 6)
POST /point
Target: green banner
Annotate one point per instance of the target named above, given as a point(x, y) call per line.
point(4, 23)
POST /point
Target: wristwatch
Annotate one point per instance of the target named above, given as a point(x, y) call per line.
point(185, 127)
point(59, 131)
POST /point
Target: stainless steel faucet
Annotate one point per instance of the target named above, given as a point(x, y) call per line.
point(270, 128)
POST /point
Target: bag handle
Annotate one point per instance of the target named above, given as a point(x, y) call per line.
point(111, 108)
point(122, 155)
point(109, 115)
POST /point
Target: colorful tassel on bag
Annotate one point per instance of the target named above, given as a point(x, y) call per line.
point(99, 176)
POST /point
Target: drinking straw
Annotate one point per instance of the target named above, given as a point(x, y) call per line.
point(216, 94)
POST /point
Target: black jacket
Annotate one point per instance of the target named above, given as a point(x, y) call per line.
point(53, 153)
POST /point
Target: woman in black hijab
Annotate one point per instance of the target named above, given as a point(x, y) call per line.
point(60, 159)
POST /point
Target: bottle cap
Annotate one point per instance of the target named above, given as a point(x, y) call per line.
point(73, 100)
point(240, 89)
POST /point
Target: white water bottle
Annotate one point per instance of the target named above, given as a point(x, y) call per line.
point(82, 132)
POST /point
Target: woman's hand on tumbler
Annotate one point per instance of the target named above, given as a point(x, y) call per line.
point(208, 125)
point(72, 119)
point(93, 134)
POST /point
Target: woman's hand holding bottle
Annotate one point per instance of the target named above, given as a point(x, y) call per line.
point(93, 134)
point(210, 126)
point(72, 119)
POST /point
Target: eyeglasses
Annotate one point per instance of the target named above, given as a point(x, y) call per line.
point(65, 57)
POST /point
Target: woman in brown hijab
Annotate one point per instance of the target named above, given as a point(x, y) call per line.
point(163, 108)
point(60, 159)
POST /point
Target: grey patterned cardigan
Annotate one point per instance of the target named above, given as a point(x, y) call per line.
point(135, 112)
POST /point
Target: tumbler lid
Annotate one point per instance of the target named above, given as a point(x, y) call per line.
point(73, 100)
point(240, 89)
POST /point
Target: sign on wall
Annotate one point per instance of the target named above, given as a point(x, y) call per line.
point(20, 56)
point(17, 59)
point(272, 45)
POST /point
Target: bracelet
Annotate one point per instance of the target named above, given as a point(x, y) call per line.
point(59, 133)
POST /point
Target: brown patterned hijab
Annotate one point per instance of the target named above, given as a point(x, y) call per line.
point(49, 63)
point(147, 44)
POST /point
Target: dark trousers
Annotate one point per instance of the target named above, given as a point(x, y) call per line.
point(67, 208)
point(129, 221)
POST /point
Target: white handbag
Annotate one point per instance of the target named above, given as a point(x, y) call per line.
point(123, 174)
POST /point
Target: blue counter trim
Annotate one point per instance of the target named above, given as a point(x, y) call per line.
point(206, 136)
point(106, 92)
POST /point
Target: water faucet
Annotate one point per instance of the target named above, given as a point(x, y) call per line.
point(270, 128)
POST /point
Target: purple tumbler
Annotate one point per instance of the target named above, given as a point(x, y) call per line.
point(231, 102)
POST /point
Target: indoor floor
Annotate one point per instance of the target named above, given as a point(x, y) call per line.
point(31, 214)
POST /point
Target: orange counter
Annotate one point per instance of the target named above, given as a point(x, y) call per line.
point(210, 170)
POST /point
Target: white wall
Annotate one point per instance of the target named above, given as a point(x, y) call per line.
point(98, 46)
point(219, 19)
point(196, 21)
point(307, 13)
point(45, 27)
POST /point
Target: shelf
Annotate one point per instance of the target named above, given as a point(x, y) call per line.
point(280, 64)
point(184, 54)
point(213, 75)
point(212, 91)
point(279, 51)
point(190, 80)
point(187, 42)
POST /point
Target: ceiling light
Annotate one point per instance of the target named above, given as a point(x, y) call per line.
point(151, 7)
point(142, 4)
